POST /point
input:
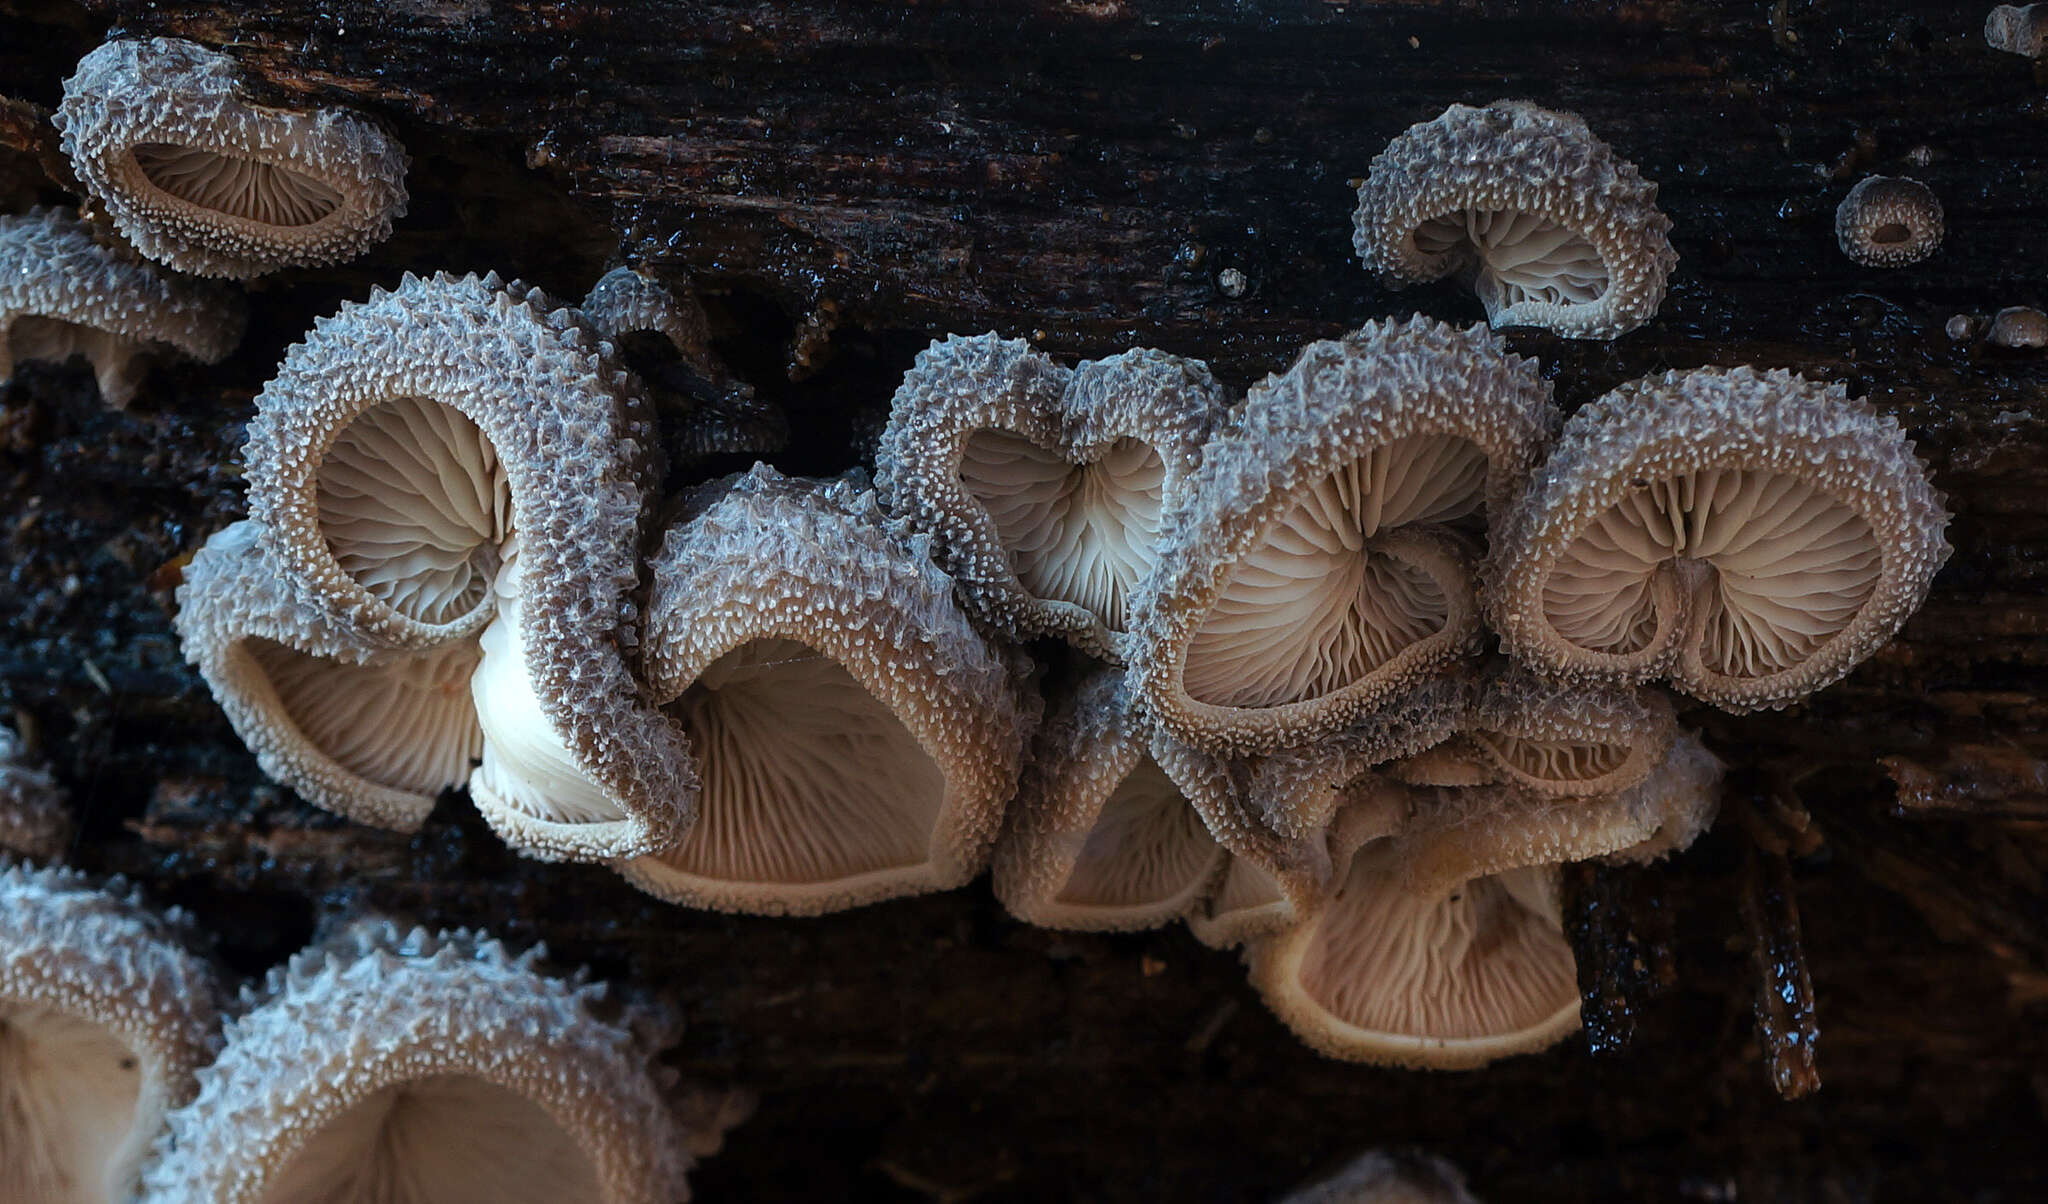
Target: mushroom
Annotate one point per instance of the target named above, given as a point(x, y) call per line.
point(1548, 225)
point(1378, 1177)
point(856, 736)
point(411, 1068)
point(104, 1017)
point(198, 177)
point(1753, 535)
point(368, 733)
point(35, 812)
point(2019, 326)
point(62, 294)
point(1315, 567)
point(1889, 222)
point(402, 454)
point(1043, 488)
point(2018, 29)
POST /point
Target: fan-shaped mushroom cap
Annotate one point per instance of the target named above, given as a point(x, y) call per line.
point(1549, 738)
point(1552, 228)
point(1382, 1178)
point(1751, 534)
point(371, 734)
point(62, 294)
point(857, 738)
point(199, 178)
point(401, 447)
point(1042, 487)
point(395, 1068)
point(1100, 837)
point(35, 812)
point(1308, 574)
point(1889, 222)
point(104, 1017)
point(2018, 29)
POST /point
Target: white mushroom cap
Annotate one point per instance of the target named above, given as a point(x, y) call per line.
point(409, 1068)
point(1552, 228)
point(1043, 488)
point(1310, 574)
point(1751, 534)
point(63, 294)
point(371, 734)
point(199, 178)
point(104, 1017)
point(856, 737)
point(35, 812)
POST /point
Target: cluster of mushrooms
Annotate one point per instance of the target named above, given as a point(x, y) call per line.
point(1339, 669)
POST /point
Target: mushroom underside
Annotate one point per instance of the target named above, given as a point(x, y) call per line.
point(54, 340)
point(1560, 762)
point(438, 1140)
point(1078, 533)
point(69, 1091)
point(236, 185)
point(1778, 565)
point(1517, 257)
point(527, 771)
point(1148, 847)
point(405, 723)
point(1332, 592)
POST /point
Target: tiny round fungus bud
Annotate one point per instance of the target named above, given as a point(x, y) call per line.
point(1889, 222)
point(2019, 326)
point(199, 178)
point(1383, 1178)
point(2018, 29)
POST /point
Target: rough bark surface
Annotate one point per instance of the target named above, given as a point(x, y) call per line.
point(846, 181)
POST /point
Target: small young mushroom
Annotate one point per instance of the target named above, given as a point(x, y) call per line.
point(1314, 568)
point(1382, 1178)
point(62, 294)
point(1752, 535)
point(200, 178)
point(386, 1067)
point(857, 738)
point(1043, 488)
point(105, 1015)
point(364, 732)
point(2018, 29)
point(1889, 222)
point(1551, 228)
point(2018, 326)
point(35, 812)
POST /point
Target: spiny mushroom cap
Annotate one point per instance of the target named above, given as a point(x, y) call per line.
point(2018, 29)
point(1100, 837)
point(1556, 230)
point(104, 1017)
point(1550, 738)
point(407, 1068)
point(1042, 487)
point(857, 738)
point(62, 294)
point(1307, 574)
point(1889, 222)
point(371, 734)
point(199, 178)
point(401, 447)
point(1751, 534)
point(35, 812)
point(1382, 1178)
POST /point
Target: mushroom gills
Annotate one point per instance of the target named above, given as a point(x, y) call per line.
point(1078, 533)
point(448, 1139)
point(236, 185)
point(1555, 761)
point(416, 506)
point(53, 340)
point(527, 771)
point(407, 723)
point(1517, 257)
point(1148, 847)
point(1334, 591)
point(1781, 567)
point(68, 1096)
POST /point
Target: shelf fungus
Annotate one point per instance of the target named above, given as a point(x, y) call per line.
point(1319, 562)
point(63, 294)
point(386, 1067)
point(1889, 222)
point(105, 1015)
point(1043, 487)
point(1101, 837)
point(1549, 226)
point(406, 453)
point(368, 733)
point(35, 812)
point(857, 738)
point(198, 177)
point(2018, 29)
point(1751, 535)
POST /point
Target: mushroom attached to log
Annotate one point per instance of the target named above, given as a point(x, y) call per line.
point(1043, 488)
point(1382, 1178)
point(1318, 564)
point(1889, 222)
point(404, 451)
point(1752, 535)
point(105, 1015)
point(2018, 326)
point(35, 812)
point(2018, 29)
point(63, 294)
point(1549, 225)
point(197, 176)
point(386, 1067)
point(856, 736)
